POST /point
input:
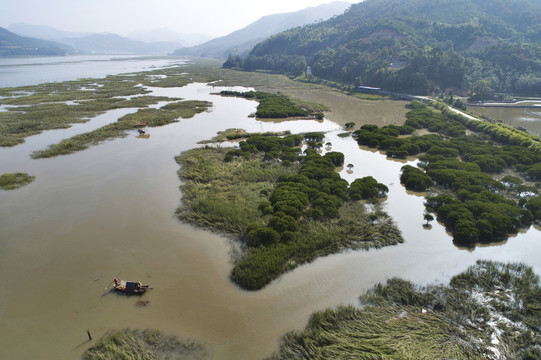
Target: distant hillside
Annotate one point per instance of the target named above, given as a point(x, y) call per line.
point(241, 41)
point(14, 45)
point(43, 32)
point(164, 34)
point(417, 46)
point(102, 43)
point(111, 43)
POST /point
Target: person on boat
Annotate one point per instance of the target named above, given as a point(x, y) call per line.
point(116, 282)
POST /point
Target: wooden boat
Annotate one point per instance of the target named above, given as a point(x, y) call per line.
point(130, 287)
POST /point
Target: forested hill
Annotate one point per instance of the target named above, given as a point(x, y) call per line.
point(416, 46)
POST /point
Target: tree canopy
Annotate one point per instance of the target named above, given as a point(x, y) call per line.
point(416, 46)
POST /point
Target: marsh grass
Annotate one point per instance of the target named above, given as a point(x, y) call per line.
point(152, 117)
point(95, 96)
point(11, 181)
point(236, 134)
point(365, 96)
point(220, 196)
point(489, 311)
point(144, 345)
point(374, 333)
point(43, 107)
point(225, 196)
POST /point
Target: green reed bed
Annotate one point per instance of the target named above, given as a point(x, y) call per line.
point(150, 117)
point(236, 134)
point(12, 181)
point(222, 197)
point(234, 192)
point(34, 109)
point(489, 311)
point(144, 345)
point(20, 122)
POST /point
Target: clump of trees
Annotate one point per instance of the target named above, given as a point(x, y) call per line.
point(415, 179)
point(316, 193)
point(477, 210)
point(312, 211)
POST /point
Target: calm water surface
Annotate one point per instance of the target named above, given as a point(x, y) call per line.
point(527, 118)
point(110, 209)
point(22, 71)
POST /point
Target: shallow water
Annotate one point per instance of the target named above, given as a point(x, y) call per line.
point(110, 210)
point(527, 118)
point(22, 71)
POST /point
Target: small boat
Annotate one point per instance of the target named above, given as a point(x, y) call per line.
point(130, 287)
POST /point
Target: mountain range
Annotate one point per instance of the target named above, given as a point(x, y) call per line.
point(104, 43)
point(168, 35)
point(416, 46)
point(14, 45)
point(241, 41)
point(161, 35)
point(16, 39)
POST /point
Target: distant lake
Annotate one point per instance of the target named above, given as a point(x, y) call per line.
point(22, 71)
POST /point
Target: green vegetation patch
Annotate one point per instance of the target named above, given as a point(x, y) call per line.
point(492, 310)
point(23, 121)
point(285, 208)
point(149, 117)
point(474, 205)
point(144, 345)
point(33, 109)
point(239, 134)
point(270, 105)
point(11, 181)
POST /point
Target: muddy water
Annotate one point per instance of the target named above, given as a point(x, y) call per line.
point(527, 118)
point(110, 209)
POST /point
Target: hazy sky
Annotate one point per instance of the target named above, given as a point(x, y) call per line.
point(210, 17)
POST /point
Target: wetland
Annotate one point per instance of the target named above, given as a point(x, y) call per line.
point(111, 208)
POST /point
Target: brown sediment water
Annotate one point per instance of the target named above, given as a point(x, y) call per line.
point(526, 114)
point(111, 209)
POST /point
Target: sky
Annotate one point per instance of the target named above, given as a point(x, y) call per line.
point(209, 17)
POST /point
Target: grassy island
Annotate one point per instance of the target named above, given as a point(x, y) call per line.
point(34, 109)
point(284, 207)
point(11, 181)
point(483, 184)
point(274, 106)
point(144, 345)
point(492, 310)
point(150, 117)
